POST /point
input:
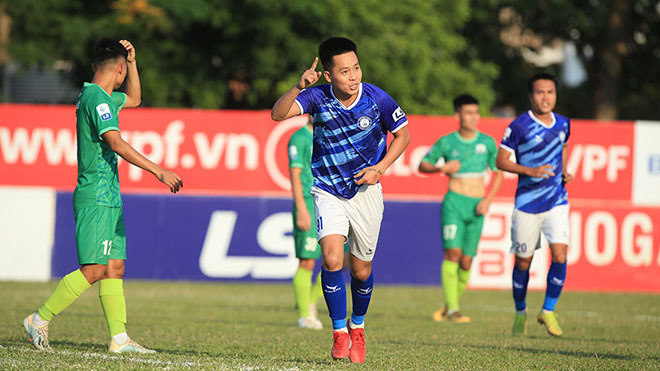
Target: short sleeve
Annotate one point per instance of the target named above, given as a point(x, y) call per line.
point(296, 149)
point(392, 116)
point(101, 115)
point(511, 138)
point(435, 153)
point(306, 100)
point(492, 153)
point(118, 99)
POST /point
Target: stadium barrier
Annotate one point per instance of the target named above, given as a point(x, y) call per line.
point(232, 221)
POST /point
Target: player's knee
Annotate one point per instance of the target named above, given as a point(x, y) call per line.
point(332, 263)
point(361, 273)
point(523, 263)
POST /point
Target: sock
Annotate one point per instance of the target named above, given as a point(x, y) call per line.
point(302, 285)
point(111, 293)
point(37, 320)
point(317, 291)
point(334, 291)
point(361, 296)
point(519, 282)
point(555, 281)
point(121, 338)
point(66, 292)
point(450, 284)
point(463, 278)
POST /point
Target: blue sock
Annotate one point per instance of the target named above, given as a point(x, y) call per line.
point(556, 278)
point(334, 291)
point(520, 280)
point(361, 297)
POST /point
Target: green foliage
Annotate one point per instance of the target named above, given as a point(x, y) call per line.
point(244, 54)
point(225, 326)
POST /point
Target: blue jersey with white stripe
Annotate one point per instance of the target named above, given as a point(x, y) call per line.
point(348, 139)
point(536, 143)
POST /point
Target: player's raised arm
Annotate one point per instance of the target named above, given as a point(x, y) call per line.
point(133, 90)
point(128, 153)
point(285, 108)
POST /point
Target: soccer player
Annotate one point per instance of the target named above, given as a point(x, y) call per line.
point(467, 154)
point(100, 233)
point(304, 227)
point(351, 121)
point(539, 140)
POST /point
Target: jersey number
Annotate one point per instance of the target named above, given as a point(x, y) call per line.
point(107, 246)
point(449, 231)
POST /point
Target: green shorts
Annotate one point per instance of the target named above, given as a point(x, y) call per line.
point(100, 234)
point(307, 246)
point(461, 226)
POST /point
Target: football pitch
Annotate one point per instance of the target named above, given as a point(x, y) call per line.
point(253, 327)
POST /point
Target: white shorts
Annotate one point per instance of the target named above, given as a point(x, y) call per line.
point(357, 219)
point(526, 229)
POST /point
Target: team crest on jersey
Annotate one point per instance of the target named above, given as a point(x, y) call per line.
point(538, 138)
point(364, 122)
point(397, 114)
point(480, 148)
point(104, 111)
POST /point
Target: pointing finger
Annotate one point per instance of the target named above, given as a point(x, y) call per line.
point(316, 61)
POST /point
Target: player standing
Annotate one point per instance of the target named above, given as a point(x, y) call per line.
point(304, 226)
point(100, 233)
point(351, 121)
point(467, 154)
point(539, 140)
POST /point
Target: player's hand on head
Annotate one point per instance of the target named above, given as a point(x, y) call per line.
point(543, 171)
point(451, 167)
point(171, 179)
point(566, 177)
point(310, 76)
point(368, 175)
point(130, 49)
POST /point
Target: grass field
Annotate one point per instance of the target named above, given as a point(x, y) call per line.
point(252, 326)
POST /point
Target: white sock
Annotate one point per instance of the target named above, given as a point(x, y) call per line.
point(450, 312)
point(121, 338)
point(524, 311)
point(341, 330)
point(353, 325)
point(38, 321)
point(545, 311)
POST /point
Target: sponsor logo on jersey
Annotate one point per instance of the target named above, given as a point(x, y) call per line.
point(480, 148)
point(364, 122)
point(562, 136)
point(104, 111)
point(397, 114)
point(507, 132)
point(293, 153)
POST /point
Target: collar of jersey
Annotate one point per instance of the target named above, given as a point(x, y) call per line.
point(554, 119)
point(458, 135)
point(86, 84)
point(357, 99)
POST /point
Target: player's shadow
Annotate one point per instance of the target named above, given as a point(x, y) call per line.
point(79, 346)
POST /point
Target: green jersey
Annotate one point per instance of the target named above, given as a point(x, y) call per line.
point(300, 155)
point(98, 178)
point(475, 154)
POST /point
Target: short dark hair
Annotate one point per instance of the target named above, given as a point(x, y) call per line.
point(464, 99)
point(540, 76)
point(107, 50)
point(335, 46)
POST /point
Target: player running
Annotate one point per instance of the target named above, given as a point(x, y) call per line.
point(539, 140)
point(100, 233)
point(351, 121)
point(467, 154)
point(304, 227)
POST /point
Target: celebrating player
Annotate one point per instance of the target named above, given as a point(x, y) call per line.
point(304, 227)
point(351, 121)
point(100, 233)
point(539, 140)
point(467, 154)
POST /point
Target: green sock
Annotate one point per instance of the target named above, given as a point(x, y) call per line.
point(66, 292)
point(450, 283)
point(302, 285)
point(317, 290)
point(463, 278)
point(111, 293)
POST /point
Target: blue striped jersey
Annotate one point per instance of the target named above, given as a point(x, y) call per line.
point(536, 143)
point(348, 139)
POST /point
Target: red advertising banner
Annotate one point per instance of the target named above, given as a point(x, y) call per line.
point(244, 152)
